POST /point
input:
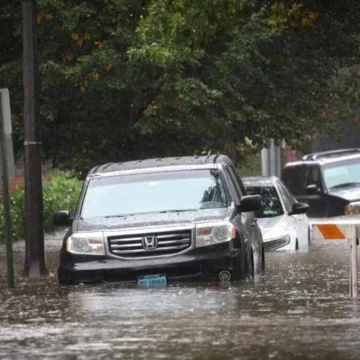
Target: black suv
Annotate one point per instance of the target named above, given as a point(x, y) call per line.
point(328, 181)
point(155, 220)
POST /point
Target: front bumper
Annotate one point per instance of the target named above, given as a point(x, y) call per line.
point(200, 263)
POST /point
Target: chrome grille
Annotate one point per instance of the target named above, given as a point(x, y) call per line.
point(167, 243)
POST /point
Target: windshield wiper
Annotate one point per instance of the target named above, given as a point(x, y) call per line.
point(176, 210)
point(349, 184)
point(118, 216)
point(150, 212)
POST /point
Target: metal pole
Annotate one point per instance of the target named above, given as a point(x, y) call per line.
point(265, 168)
point(278, 161)
point(272, 158)
point(35, 264)
point(6, 203)
point(350, 283)
point(354, 276)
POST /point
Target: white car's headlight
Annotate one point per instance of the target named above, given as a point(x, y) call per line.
point(86, 244)
point(352, 208)
point(214, 233)
point(276, 243)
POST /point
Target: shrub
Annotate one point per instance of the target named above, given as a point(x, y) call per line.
point(60, 192)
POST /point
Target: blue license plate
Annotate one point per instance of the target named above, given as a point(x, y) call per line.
point(152, 280)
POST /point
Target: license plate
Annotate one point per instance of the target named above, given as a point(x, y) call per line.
point(152, 280)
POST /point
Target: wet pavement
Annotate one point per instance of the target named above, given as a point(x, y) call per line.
point(299, 310)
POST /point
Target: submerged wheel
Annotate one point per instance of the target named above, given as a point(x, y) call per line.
point(297, 244)
point(63, 279)
point(250, 264)
point(240, 271)
point(263, 259)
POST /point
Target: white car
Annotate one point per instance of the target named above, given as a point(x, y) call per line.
point(282, 220)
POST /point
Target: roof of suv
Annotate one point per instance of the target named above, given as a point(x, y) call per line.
point(326, 157)
point(161, 162)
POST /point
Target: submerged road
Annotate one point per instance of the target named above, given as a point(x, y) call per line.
point(299, 310)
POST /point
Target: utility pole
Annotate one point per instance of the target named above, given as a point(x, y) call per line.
point(35, 264)
point(5, 195)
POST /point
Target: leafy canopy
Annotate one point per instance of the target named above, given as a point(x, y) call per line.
point(127, 79)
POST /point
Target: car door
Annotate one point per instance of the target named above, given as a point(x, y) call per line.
point(314, 189)
point(294, 178)
point(248, 220)
point(300, 222)
point(291, 222)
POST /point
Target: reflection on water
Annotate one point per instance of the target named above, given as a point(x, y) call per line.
point(300, 309)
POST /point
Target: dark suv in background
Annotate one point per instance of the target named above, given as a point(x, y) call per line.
point(328, 181)
point(156, 220)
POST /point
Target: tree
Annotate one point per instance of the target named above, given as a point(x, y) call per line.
point(260, 69)
point(128, 79)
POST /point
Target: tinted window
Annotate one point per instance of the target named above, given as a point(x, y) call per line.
point(270, 201)
point(239, 183)
point(231, 183)
point(142, 193)
point(235, 181)
point(314, 176)
point(288, 199)
point(294, 179)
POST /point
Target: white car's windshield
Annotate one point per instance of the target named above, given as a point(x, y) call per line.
point(112, 196)
point(344, 174)
point(270, 201)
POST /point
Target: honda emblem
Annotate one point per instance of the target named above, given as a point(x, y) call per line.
point(149, 242)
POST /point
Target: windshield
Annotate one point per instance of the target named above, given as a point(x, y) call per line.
point(342, 174)
point(270, 201)
point(155, 192)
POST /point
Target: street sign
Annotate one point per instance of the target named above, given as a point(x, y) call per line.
point(344, 228)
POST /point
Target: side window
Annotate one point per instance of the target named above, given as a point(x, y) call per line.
point(294, 179)
point(288, 194)
point(314, 176)
point(237, 180)
point(234, 192)
point(284, 197)
point(287, 197)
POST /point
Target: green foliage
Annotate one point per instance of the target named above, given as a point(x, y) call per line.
point(60, 192)
point(251, 165)
point(272, 65)
point(132, 79)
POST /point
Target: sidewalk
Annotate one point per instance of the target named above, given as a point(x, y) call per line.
point(53, 242)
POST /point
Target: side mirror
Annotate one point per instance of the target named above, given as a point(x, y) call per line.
point(62, 218)
point(312, 189)
point(250, 203)
point(299, 208)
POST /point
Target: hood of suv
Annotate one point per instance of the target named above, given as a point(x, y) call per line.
point(350, 193)
point(151, 219)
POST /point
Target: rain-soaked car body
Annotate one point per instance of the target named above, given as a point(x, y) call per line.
point(282, 219)
point(328, 181)
point(156, 220)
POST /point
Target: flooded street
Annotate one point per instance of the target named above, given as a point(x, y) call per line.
point(301, 309)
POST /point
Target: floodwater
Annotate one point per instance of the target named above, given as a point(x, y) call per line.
point(299, 310)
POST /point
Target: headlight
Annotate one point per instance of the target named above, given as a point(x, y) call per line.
point(214, 233)
point(278, 242)
point(352, 208)
point(86, 244)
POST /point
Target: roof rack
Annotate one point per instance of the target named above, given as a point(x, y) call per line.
point(331, 153)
